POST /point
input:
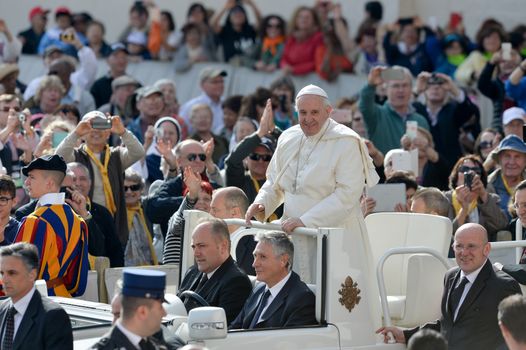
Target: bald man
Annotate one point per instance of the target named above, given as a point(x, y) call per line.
point(472, 293)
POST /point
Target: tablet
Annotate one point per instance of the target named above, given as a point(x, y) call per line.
point(387, 196)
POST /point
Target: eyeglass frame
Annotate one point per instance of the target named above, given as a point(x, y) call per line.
point(194, 156)
point(4, 200)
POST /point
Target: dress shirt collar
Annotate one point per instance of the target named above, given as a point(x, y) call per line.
point(473, 275)
point(52, 198)
point(22, 304)
point(132, 337)
point(210, 274)
point(211, 102)
point(274, 291)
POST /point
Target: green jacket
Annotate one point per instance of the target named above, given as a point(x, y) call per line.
point(384, 126)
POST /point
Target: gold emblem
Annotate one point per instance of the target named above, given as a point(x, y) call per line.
point(350, 294)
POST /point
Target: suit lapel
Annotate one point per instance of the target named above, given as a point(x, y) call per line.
point(3, 311)
point(452, 283)
point(259, 289)
point(210, 285)
point(120, 338)
point(279, 299)
point(27, 320)
point(476, 288)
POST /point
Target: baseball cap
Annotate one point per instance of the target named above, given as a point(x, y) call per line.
point(147, 91)
point(52, 49)
point(118, 46)
point(509, 143)
point(123, 80)
point(8, 68)
point(62, 10)
point(211, 72)
point(513, 113)
point(37, 10)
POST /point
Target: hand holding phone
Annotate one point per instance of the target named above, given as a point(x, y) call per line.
point(506, 51)
point(411, 127)
point(392, 74)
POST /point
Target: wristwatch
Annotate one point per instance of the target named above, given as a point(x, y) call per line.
point(88, 217)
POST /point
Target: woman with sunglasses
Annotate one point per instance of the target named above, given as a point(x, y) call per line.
point(485, 143)
point(267, 51)
point(139, 249)
point(472, 199)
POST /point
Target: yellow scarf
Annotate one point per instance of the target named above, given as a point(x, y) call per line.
point(137, 209)
point(457, 206)
point(103, 169)
point(508, 188)
point(272, 216)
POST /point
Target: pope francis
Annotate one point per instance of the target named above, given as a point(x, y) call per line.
point(319, 170)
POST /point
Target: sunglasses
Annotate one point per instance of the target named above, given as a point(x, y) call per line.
point(465, 168)
point(7, 108)
point(193, 156)
point(486, 144)
point(133, 188)
point(263, 157)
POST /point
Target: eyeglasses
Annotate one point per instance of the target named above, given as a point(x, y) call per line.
point(519, 206)
point(469, 247)
point(7, 108)
point(263, 157)
point(4, 200)
point(465, 168)
point(193, 156)
point(486, 144)
point(133, 188)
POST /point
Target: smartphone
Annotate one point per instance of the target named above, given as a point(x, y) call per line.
point(411, 127)
point(101, 123)
point(468, 179)
point(65, 190)
point(392, 74)
point(159, 134)
point(58, 136)
point(506, 51)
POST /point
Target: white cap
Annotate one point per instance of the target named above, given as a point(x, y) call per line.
point(513, 113)
point(97, 114)
point(312, 90)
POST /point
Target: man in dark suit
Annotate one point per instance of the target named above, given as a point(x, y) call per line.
point(215, 276)
point(141, 314)
point(282, 300)
point(232, 203)
point(28, 320)
point(472, 293)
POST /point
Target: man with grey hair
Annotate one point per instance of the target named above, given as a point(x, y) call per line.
point(29, 320)
point(512, 321)
point(386, 124)
point(215, 275)
point(282, 299)
point(310, 173)
point(430, 201)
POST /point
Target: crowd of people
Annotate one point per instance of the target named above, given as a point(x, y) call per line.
point(106, 167)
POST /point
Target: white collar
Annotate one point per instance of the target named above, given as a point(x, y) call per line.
point(22, 304)
point(473, 275)
point(210, 274)
point(210, 101)
point(274, 291)
point(52, 198)
point(132, 337)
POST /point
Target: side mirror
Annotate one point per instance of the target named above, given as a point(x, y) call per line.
point(207, 323)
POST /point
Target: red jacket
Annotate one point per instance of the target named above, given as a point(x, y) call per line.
point(300, 55)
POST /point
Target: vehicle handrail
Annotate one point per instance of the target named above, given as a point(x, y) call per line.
point(380, 277)
point(508, 244)
point(269, 226)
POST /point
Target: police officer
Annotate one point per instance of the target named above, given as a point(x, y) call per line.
point(141, 314)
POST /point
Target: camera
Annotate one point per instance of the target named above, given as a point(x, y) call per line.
point(100, 123)
point(66, 191)
point(468, 179)
point(435, 80)
point(282, 102)
point(67, 37)
point(22, 118)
